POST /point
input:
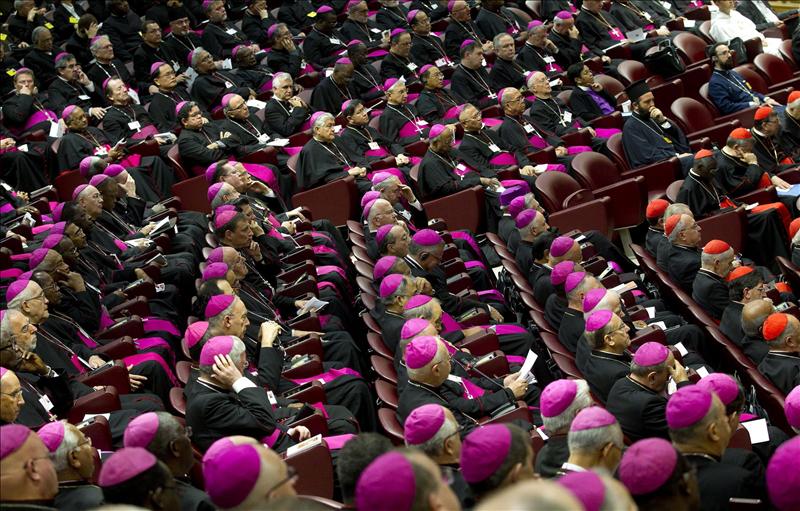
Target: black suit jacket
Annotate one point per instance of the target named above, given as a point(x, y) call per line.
point(710, 292)
point(585, 107)
point(641, 412)
point(783, 369)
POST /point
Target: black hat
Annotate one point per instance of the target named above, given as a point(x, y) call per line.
point(177, 13)
point(637, 90)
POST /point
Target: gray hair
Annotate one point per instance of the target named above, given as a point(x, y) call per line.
point(5, 326)
point(424, 311)
point(435, 445)
point(63, 59)
point(589, 441)
point(504, 99)
point(558, 21)
point(561, 422)
point(281, 77)
point(710, 259)
point(27, 294)
point(67, 445)
point(18, 4)
point(678, 208)
point(225, 189)
point(643, 371)
point(168, 429)
point(373, 211)
point(37, 32)
point(97, 42)
point(213, 321)
point(400, 291)
point(418, 373)
point(499, 37)
point(386, 183)
point(690, 433)
point(196, 53)
point(236, 351)
point(679, 228)
point(319, 121)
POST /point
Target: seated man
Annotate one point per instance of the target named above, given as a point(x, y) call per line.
point(321, 161)
point(284, 55)
point(366, 79)
point(539, 53)
point(399, 122)
point(106, 64)
point(397, 63)
point(285, 113)
point(682, 261)
point(709, 288)
point(782, 364)
point(426, 48)
point(73, 87)
point(772, 156)
point(428, 364)
point(727, 89)
point(648, 136)
point(589, 101)
point(789, 138)
point(324, 44)
point(40, 56)
point(767, 223)
point(754, 314)
point(165, 100)
point(603, 356)
point(494, 18)
point(506, 72)
point(655, 229)
point(219, 36)
point(600, 30)
point(727, 23)
point(559, 403)
point(211, 84)
point(363, 143)
point(358, 26)
point(471, 82)
point(637, 401)
point(461, 28)
point(335, 89)
point(745, 285)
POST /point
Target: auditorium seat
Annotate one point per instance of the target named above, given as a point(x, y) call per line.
point(377, 345)
point(67, 181)
point(387, 417)
point(554, 345)
point(691, 48)
point(611, 85)
point(384, 368)
point(571, 207)
point(314, 467)
point(567, 366)
point(193, 194)
point(628, 197)
point(317, 200)
point(697, 122)
point(174, 158)
point(387, 393)
point(788, 56)
point(633, 71)
point(730, 226)
point(777, 71)
point(462, 210)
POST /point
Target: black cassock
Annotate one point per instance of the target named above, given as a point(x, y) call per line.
point(394, 119)
point(570, 51)
point(710, 292)
point(646, 142)
point(118, 121)
point(789, 137)
point(18, 108)
point(533, 58)
point(328, 96)
point(282, 119)
point(507, 73)
point(395, 66)
point(595, 28)
point(571, 329)
point(731, 322)
point(653, 240)
point(389, 18)
point(427, 49)
point(501, 21)
point(368, 33)
point(63, 93)
point(99, 73)
point(208, 90)
point(478, 148)
point(367, 82)
point(554, 453)
point(783, 369)
point(194, 151)
point(450, 395)
point(432, 105)
point(772, 156)
point(282, 61)
point(516, 133)
point(601, 369)
point(391, 325)
point(719, 482)
point(248, 133)
point(153, 177)
point(766, 235)
point(356, 141)
point(473, 86)
point(162, 107)
point(456, 33)
point(554, 309)
point(181, 46)
point(682, 265)
point(219, 39)
point(735, 177)
point(640, 411)
point(78, 495)
point(22, 171)
point(322, 50)
point(321, 163)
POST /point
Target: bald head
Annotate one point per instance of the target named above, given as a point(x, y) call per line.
point(26, 473)
point(538, 495)
point(753, 316)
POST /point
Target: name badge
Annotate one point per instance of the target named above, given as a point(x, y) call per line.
point(493, 96)
point(528, 128)
point(72, 20)
point(548, 59)
point(567, 116)
point(454, 378)
point(375, 30)
point(442, 62)
point(134, 125)
point(334, 40)
point(11, 72)
point(231, 31)
point(373, 146)
point(263, 138)
point(46, 403)
point(421, 122)
point(228, 85)
point(412, 66)
point(100, 151)
point(461, 167)
point(271, 396)
point(494, 148)
point(647, 16)
point(84, 97)
point(48, 25)
point(175, 66)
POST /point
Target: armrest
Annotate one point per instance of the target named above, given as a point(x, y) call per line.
point(580, 137)
point(148, 147)
point(316, 424)
point(308, 322)
point(453, 267)
point(518, 413)
point(299, 255)
point(595, 265)
point(115, 374)
point(450, 251)
point(610, 281)
point(307, 285)
point(458, 283)
point(494, 364)
point(169, 212)
point(638, 313)
point(135, 307)
point(612, 120)
point(98, 430)
point(131, 326)
point(307, 370)
point(473, 317)
point(306, 345)
point(267, 155)
point(294, 272)
point(118, 349)
point(99, 401)
point(763, 196)
point(649, 334)
point(480, 343)
point(311, 392)
point(141, 288)
point(303, 239)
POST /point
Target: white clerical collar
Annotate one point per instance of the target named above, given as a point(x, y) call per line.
point(572, 467)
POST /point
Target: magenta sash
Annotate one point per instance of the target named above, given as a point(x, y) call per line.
point(508, 329)
point(616, 34)
point(160, 325)
point(78, 364)
point(412, 97)
point(515, 359)
point(146, 343)
point(40, 116)
point(471, 390)
point(606, 132)
point(321, 237)
point(410, 129)
point(6, 208)
point(266, 87)
point(696, 3)
point(306, 125)
point(152, 357)
point(105, 319)
point(379, 152)
point(575, 149)
point(327, 376)
point(264, 174)
point(470, 241)
point(507, 183)
point(512, 30)
point(120, 245)
point(615, 266)
point(492, 295)
point(321, 408)
point(554, 68)
point(132, 160)
point(538, 142)
point(449, 324)
point(272, 438)
point(503, 159)
point(474, 264)
point(648, 28)
point(145, 132)
point(555, 167)
point(88, 341)
point(321, 270)
point(336, 442)
point(10, 273)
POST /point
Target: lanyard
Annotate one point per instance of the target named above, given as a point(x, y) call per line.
point(468, 28)
point(660, 132)
point(338, 154)
point(736, 83)
point(369, 78)
point(92, 141)
point(103, 69)
point(771, 147)
point(712, 192)
point(535, 131)
point(430, 40)
point(190, 46)
point(366, 137)
point(131, 117)
point(599, 18)
point(257, 132)
point(412, 119)
point(477, 79)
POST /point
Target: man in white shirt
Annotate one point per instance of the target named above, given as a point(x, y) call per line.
point(727, 23)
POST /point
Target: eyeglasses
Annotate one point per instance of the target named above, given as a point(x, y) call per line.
point(39, 297)
point(291, 476)
point(12, 395)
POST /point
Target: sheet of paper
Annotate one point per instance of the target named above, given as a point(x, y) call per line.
point(702, 371)
point(687, 23)
point(651, 311)
point(628, 286)
point(635, 35)
point(89, 416)
point(613, 46)
point(758, 431)
point(793, 191)
point(682, 349)
point(752, 206)
point(254, 103)
point(314, 304)
point(305, 444)
point(161, 223)
point(659, 324)
point(278, 142)
point(527, 365)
